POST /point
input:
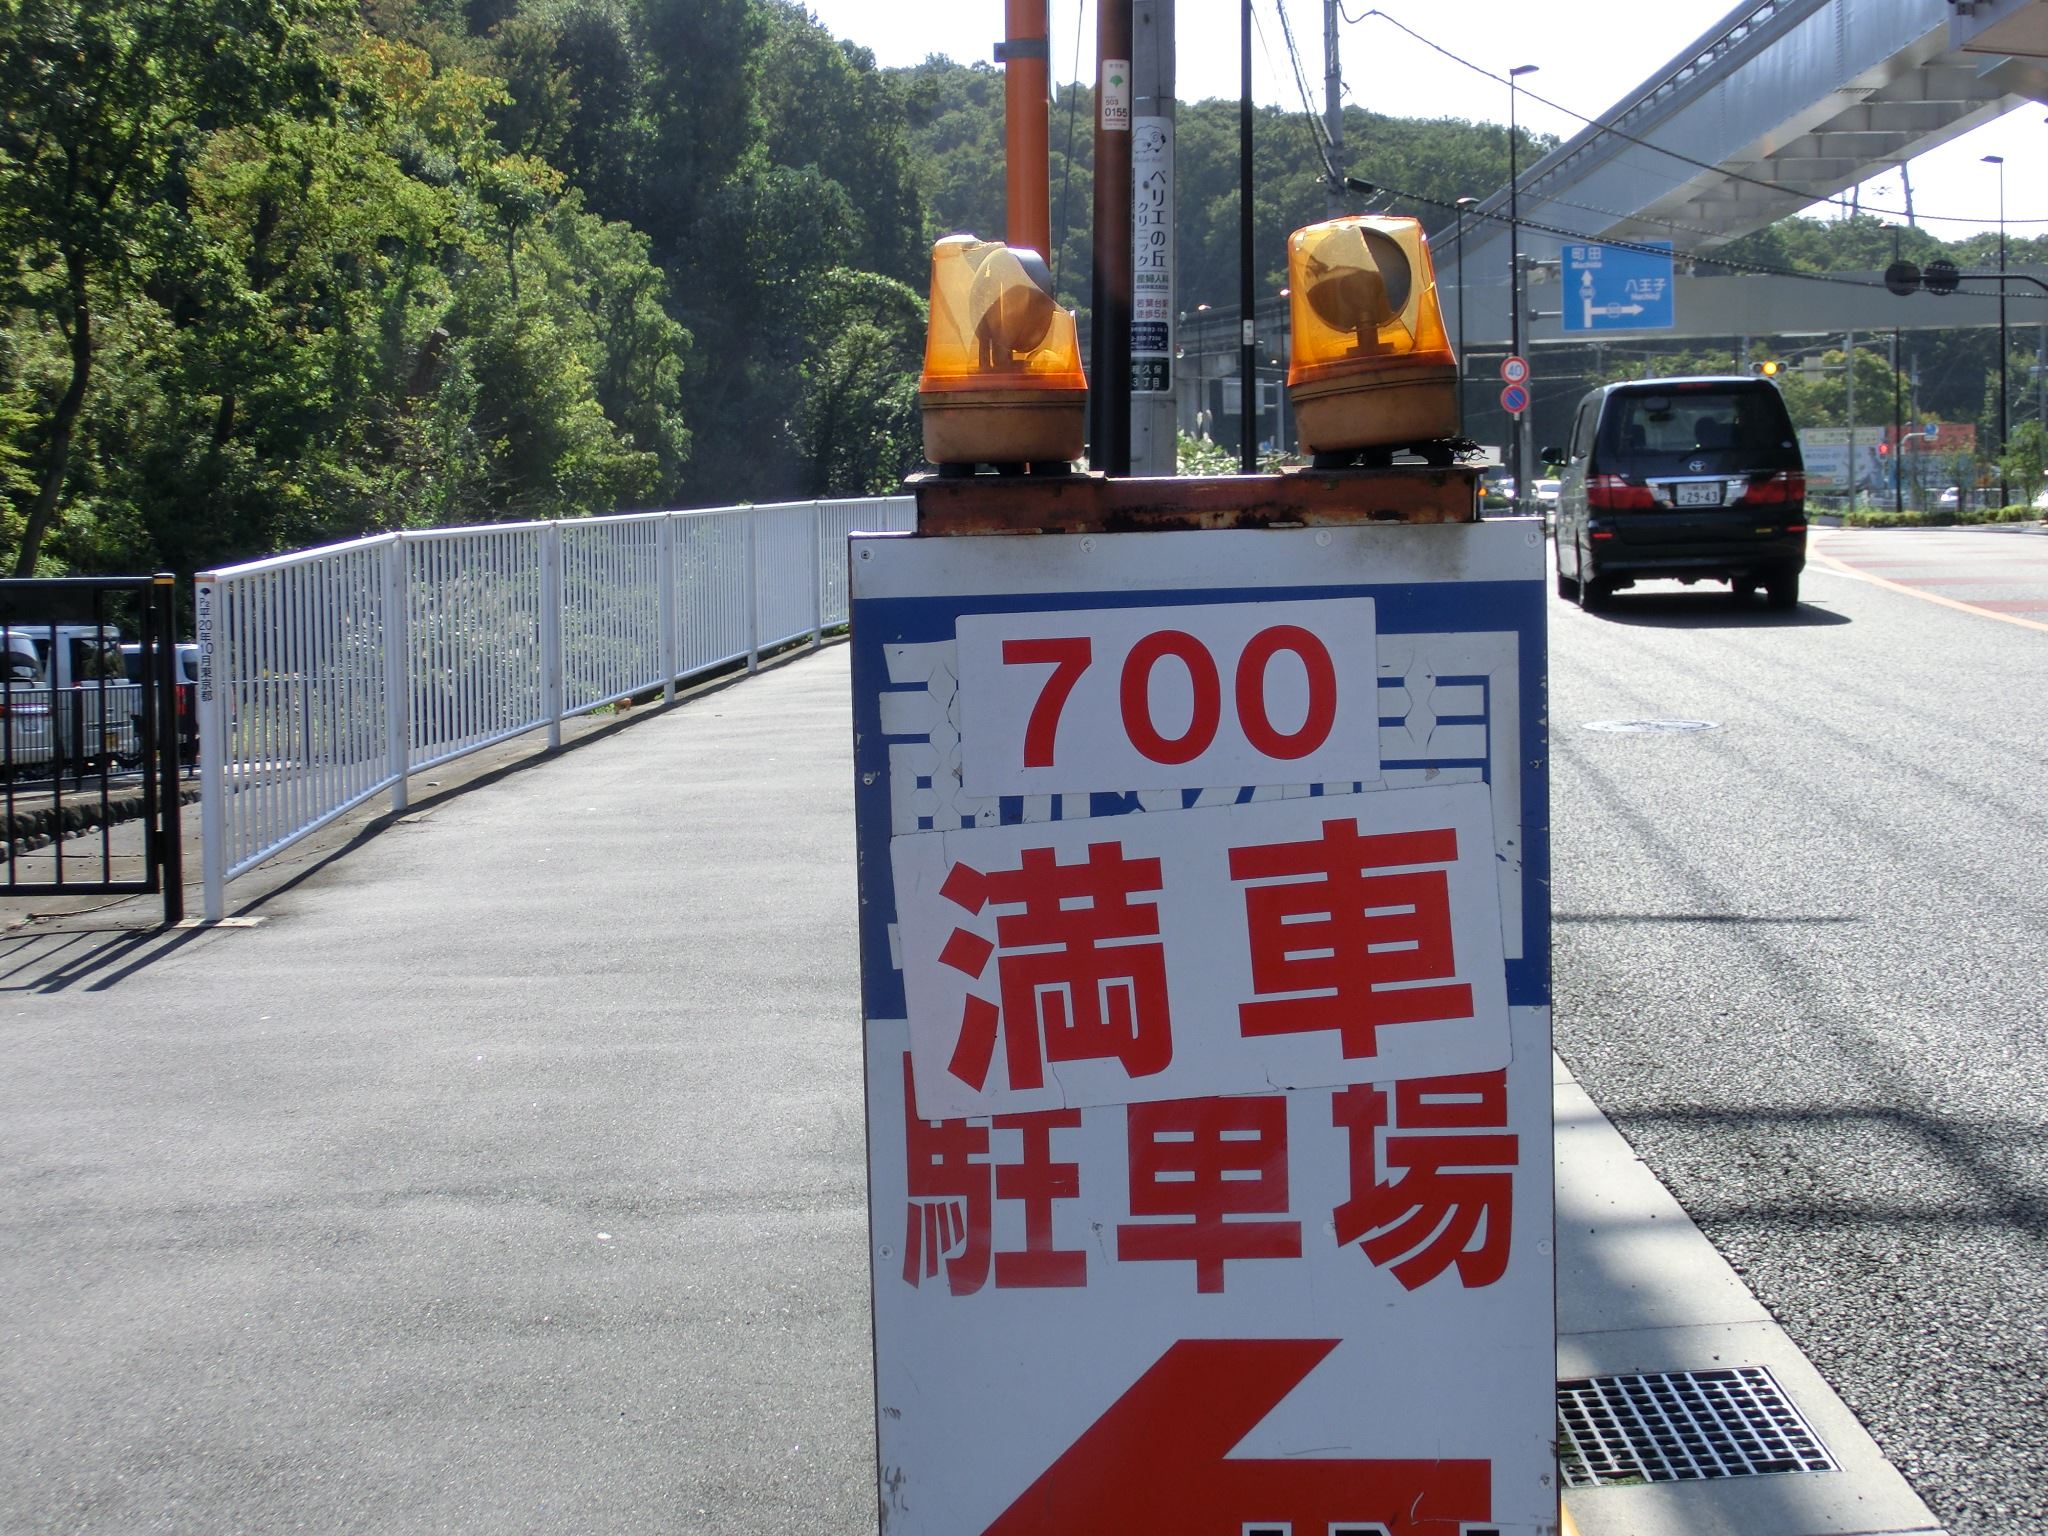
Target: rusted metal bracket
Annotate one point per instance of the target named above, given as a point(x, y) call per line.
point(1093, 503)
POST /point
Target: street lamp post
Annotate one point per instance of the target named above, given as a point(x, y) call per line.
point(1463, 204)
point(1515, 276)
point(1898, 437)
point(2004, 414)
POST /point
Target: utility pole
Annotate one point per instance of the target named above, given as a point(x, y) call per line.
point(1026, 60)
point(1154, 423)
point(1109, 393)
point(1333, 118)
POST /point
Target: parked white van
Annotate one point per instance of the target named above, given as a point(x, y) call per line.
point(64, 694)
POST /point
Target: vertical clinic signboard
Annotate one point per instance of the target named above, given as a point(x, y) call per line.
point(1152, 256)
point(1205, 951)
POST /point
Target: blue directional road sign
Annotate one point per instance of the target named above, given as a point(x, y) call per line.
point(1618, 288)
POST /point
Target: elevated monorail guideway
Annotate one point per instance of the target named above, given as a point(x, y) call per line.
point(1784, 102)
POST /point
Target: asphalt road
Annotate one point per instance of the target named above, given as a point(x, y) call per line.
point(507, 1177)
point(1800, 964)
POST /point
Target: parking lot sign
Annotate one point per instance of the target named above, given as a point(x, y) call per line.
point(1204, 930)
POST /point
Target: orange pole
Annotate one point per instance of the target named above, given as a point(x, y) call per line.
point(1026, 57)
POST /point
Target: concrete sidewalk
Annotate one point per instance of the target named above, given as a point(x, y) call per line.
point(507, 1173)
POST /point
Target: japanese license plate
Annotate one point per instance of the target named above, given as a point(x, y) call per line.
point(1701, 493)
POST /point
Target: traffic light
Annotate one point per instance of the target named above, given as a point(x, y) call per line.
point(1768, 369)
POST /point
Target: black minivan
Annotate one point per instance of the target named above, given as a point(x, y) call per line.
point(1685, 479)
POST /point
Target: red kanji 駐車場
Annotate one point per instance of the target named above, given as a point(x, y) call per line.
point(1445, 1194)
point(1080, 972)
point(1336, 946)
point(1203, 1171)
point(1209, 1183)
point(953, 1186)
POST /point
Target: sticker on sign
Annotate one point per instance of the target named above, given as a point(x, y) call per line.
point(1173, 954)
point(1169, 698)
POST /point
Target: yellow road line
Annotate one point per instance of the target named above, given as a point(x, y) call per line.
point(1833, 564)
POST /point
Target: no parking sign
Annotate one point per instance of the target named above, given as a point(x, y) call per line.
point(1206, 982)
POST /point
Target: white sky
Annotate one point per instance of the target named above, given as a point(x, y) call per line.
point(1606, 47)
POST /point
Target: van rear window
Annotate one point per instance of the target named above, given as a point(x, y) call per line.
point(1747, 418)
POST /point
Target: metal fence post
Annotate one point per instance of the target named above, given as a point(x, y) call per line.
point(397, 673)
point(551, 631)
point(665, 573)
point(160, 702)
point(213, 749)
point(753, 516)
point(817, 574)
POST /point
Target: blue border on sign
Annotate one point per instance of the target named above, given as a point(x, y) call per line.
point(1401, 609)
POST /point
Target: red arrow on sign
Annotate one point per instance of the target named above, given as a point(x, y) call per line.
point(1158, 1460)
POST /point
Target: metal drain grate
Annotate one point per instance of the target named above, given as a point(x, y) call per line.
point(1682, 1426)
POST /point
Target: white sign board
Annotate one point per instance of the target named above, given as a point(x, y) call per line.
point(1825, 452)
point(1205, 971)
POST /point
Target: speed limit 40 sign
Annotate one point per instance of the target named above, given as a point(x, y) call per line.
point(1205, 992)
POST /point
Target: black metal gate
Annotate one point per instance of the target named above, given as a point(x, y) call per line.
point(95, 728)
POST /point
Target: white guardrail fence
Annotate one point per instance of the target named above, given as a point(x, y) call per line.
point(331, 675)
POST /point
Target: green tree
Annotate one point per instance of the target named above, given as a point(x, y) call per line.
point(856, 423)
point(2026, 460)
point(1819, 396)
point(101, 108)
point(825, 106)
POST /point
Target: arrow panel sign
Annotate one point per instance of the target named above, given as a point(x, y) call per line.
point(1160, 1460)
point(1618, 287)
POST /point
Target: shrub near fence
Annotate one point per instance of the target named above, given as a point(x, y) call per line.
point(331, 675)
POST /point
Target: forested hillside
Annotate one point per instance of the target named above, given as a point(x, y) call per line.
point(283, 271)
point(288, 270)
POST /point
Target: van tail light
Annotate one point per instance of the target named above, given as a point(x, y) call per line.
point(1786, 488)
point(184, 698)
point(1617, 493)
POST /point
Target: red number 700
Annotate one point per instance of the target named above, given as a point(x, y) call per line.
point(1070, 656)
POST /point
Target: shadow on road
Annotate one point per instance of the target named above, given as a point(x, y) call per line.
point(57, 959)
point(1698, 917)
point(1713, 609)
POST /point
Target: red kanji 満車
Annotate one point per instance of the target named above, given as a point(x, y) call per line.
point(1080, 970)
point(1350, 932)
